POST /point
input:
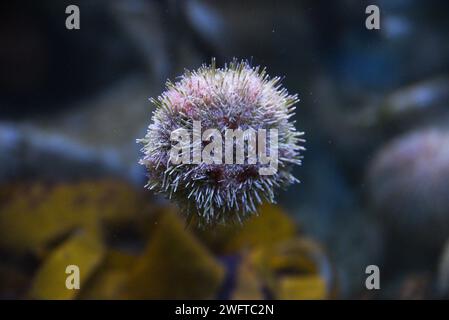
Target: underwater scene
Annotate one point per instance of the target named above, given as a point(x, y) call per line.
point(229, 150)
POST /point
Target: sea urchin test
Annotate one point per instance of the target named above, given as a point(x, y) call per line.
point(221, 142)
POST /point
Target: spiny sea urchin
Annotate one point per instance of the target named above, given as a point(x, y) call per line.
point(236, 98)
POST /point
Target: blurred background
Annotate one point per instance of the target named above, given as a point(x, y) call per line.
point(374, 185)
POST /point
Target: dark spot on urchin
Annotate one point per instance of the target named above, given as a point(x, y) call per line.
point(231, 123)
point(216, 174)
point(248, 172)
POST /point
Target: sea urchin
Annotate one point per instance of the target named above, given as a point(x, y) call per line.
point(236, 99)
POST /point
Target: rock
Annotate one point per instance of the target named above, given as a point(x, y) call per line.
point(248, 285)
point(272, 225)
point(295, 269)
point(174, 265)
point(29, 153)
point(416, 104)
point(83, 250)
point(96, 139)
point(442, 280)
point(110, 278)
point(14, 282)
point(408, 183)
point(33, 216)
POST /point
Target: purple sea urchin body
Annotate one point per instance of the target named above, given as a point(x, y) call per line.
point(235, 97)
point(409, 185)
